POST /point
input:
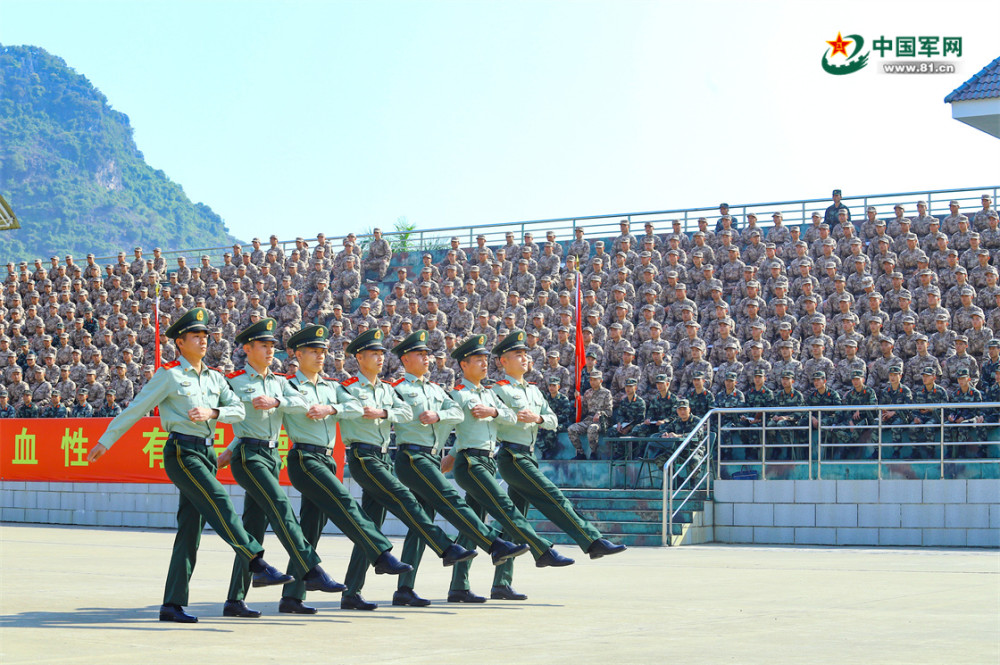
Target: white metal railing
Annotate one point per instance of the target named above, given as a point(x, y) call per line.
point(726, 438)
point(794, 212)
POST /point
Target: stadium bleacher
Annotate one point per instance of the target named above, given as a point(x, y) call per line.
point(66, 297)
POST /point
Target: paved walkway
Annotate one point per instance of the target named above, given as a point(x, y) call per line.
point(90, 595)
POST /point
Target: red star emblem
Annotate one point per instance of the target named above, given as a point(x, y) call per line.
point(840, 45)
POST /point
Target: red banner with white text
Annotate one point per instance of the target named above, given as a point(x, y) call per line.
point(55, 450)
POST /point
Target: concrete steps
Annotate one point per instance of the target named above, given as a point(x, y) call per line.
point(633, 517)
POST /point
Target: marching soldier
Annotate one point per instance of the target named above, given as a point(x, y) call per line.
point(418, 465)
point(473, 458)
point(191, 398)
point(312, 470)
point(367, 439)
point(518, 466)
point(253, 454)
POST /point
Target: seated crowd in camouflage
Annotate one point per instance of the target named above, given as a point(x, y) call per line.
point(841, 294)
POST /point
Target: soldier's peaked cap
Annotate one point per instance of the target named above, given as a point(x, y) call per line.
point(194, 321)
point(415, 341)
point(262, 331)
point(309, 336)
point(475, 345)
point(370, 340)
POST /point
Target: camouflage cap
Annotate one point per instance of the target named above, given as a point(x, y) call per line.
point(683, 404)
point(820, 374)
point(661, 378)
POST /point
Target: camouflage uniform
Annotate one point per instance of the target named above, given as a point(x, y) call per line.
point(960, 432)
point(595, 403)
point(658, 408)
point(626, 413)
point(777, 448)
point(860, 432)
point(565, 409)
point(931, 418)
point(731, 400)
point(701, 403)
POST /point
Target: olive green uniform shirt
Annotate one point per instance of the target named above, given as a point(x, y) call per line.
point(176, 388)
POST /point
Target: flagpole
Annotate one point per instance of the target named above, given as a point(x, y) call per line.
point(156, 347)
point(579, 351)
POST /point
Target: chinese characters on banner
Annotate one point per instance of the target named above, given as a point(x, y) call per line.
point(55, 450)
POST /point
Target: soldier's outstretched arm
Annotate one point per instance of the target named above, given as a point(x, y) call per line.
point(148, 398)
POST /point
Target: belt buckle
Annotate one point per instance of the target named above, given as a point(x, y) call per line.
point(493, 452)
point(209, 440)
point(272, 444)
point(384, 448)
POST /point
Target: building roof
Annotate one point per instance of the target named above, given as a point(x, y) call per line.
point(984, 85)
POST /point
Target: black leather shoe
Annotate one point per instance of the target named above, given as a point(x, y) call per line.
point(238, 608)
point(464, 596)
point(455, 553)
point(501, 550)
point(355, 602)
point(506, 593)
point(268, 575)
point(553, 558)
point(176, 614)
point(407, 596)
point(386, 563)
point(604, 547)
point(317, 580)
point(294, 606)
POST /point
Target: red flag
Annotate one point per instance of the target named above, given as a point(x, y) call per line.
point(581, 359)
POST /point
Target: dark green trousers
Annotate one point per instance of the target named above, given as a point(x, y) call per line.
point(256, 470)
point(381, 491)
point(477, 476)
point(528, 485)
point(421, 472)
point(325, 497)
point(203, 499)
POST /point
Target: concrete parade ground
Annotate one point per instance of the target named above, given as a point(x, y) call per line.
point(91, 595)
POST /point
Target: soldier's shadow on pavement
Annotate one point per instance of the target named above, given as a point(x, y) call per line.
point(147, 618)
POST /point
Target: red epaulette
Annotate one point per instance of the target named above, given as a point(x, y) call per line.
point(290, 375)
point(217, 370)
point(171, 365)
point(233, 375)
point(459, 386)
point(387, 382)
point(503, 382)
point(349, 382)
point(398, 381)
point(532, 383)
point(326, 378)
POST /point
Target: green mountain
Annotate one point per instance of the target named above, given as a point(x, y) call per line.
point(70, 169)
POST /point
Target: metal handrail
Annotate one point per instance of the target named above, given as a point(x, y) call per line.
point(794, 210)
point(699, 439)
point(667, 525)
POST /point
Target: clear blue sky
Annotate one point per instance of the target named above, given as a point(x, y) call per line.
point(315, 116)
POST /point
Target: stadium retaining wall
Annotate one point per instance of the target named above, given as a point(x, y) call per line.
point(923, 513)
point(128, 504)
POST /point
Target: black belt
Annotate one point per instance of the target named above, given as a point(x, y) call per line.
point(259, 443)
point(309, 448)
point(478, 452)
point(368, 448)
point(516, 447)
point(191, 441)
point(415, 448)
